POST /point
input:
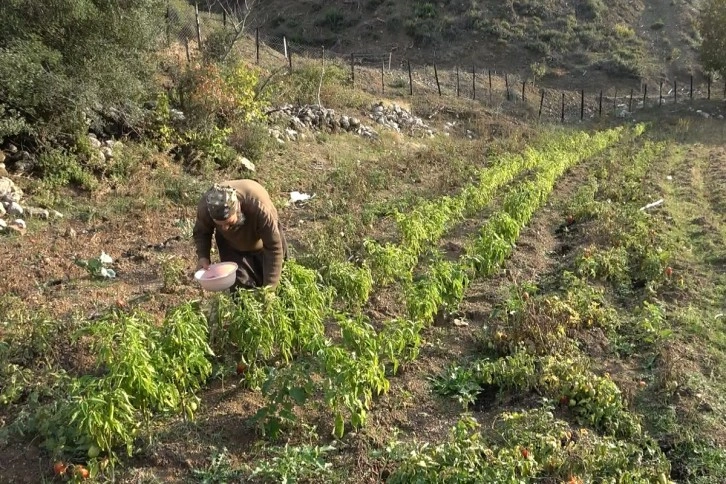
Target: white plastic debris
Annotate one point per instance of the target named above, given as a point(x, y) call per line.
point(105, 258)
point(669, 178)
point(108, 273)
point(299, 197)
point(654, 204)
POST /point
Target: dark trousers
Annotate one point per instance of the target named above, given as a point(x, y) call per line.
point(250, 264)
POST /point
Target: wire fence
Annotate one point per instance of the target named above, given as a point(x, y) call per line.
point(391, 73)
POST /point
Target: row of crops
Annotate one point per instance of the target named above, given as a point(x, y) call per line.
point(533, 338)
point(309, 341)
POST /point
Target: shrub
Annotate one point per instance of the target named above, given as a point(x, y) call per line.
point(59, 168)
point(78, 66)
point(592, 9)
point(303, 84)
point(713, 30)
point(251, 139)
point(216, 95)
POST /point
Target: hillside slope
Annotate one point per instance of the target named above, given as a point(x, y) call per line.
point(588, 40)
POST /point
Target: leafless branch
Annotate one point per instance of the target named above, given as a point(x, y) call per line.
point(238, 13)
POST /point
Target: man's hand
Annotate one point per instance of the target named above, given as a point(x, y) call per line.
point(202, 263)
point(268, 294)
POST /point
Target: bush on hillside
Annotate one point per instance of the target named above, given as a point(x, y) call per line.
point(713, 31)
point(67, 66)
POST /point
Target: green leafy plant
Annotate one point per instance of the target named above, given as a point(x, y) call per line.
point(172, 272)
point(290, 464)
point(351, 283)
point(98, 267)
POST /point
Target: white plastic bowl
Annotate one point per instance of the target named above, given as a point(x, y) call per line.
point(218, 277)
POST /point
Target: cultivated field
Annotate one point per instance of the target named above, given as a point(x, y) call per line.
point(492, 303)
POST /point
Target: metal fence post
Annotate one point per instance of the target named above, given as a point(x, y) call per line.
point(410, 79)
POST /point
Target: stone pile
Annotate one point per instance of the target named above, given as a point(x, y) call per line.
point(13, 213)
point(21, 162)
point(105, 149)
point(315, 118)
point(399, 119)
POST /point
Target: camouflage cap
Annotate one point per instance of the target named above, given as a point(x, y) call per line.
point(222, 202)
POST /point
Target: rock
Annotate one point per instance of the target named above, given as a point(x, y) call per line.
point(38, 213)
point(20, 223)
point(246, 163)
point(22, 162)
point(176, 115)
point(3, 170)
point(3, 224)
point(2, 157)
point(12, 149)
point(9, 191)
point(17, 229)
point(291, 134)
point(107, 153)
point(94, 141)
point(70, 233)
point(354, 122)
point(56, 214)
point(15, 209)
point(2, 210)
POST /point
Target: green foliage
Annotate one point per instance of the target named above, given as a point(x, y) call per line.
point(441, 289)
point(58, 168)
point(389, 263)
point(333, 19)
point(142, 368)
point(290, 464)
point(592, 9)
point(264, 324)
point(465, 383)
point(303, 84)
point(351, 283)
point(525, 446)
point(596, 400)
point(219, 470)
point(11, 123)
point(223, 105)
point(713, 30)
point(97, 267)
point(48, 76)
point(251, 140)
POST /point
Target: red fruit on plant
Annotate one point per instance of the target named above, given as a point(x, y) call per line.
point(82, 472)
point(668, 271)
point(241, 368)
point(59, 468)
point(564, 400)
point(525, 453)
point(570, 220)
